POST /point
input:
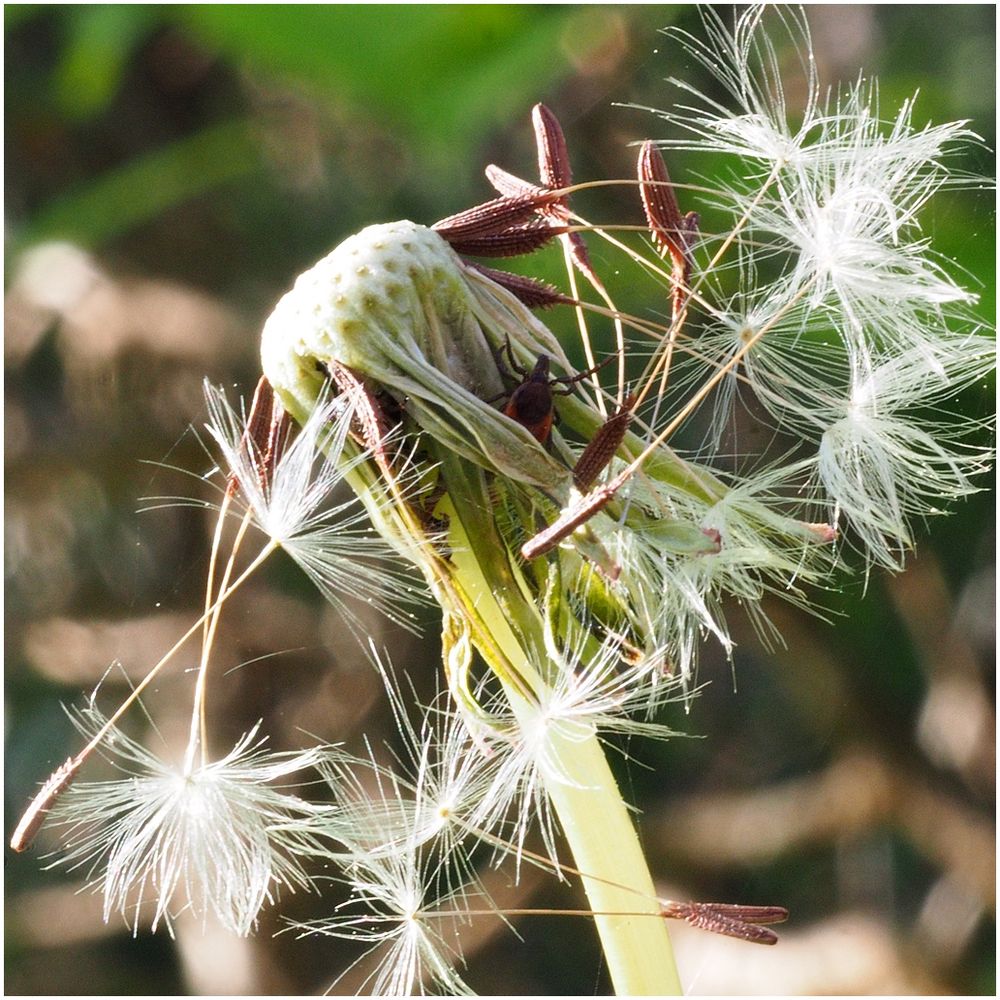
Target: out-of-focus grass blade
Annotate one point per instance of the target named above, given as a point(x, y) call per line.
point(147, 186)
point(101, 41)
point(443, 74)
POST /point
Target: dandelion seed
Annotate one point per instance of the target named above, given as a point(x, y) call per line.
point(415, 952)
point(838, 200)
point(302, 504)
point(219, 839)
point(749, 545)
point(590, 691)
point(405, 895)
point(425, 790)
point(883, 465)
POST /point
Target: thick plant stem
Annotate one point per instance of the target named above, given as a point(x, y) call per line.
point(594, 819)
point(603, 840)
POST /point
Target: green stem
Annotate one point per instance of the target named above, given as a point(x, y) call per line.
point(603, 840)
point(592, 814)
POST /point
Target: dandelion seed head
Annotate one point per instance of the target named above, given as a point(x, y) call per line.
point(841, 328)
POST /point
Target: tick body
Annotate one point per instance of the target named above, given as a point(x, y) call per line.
point(531, 403)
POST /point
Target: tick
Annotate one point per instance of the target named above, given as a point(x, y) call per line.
point(531, 403)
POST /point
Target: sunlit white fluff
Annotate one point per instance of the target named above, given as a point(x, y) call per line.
point(218, 840)
point(303, 504)
point(411, 926)
point(779, 355)
point(752, 543)
point(410, 881)
point(755, 125)
point(590, 689)
point(838, 196)
point(843, 324)
point(424, 789)
point(883, 466)
point(850, 217)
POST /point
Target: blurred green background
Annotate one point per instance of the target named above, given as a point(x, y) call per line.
point(169, 171)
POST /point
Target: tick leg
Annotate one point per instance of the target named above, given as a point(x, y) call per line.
point(514, 366)
point(571, 380)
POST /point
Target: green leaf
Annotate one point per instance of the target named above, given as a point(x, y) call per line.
point(445, 74)
point(102, 38)
point(148, 185)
